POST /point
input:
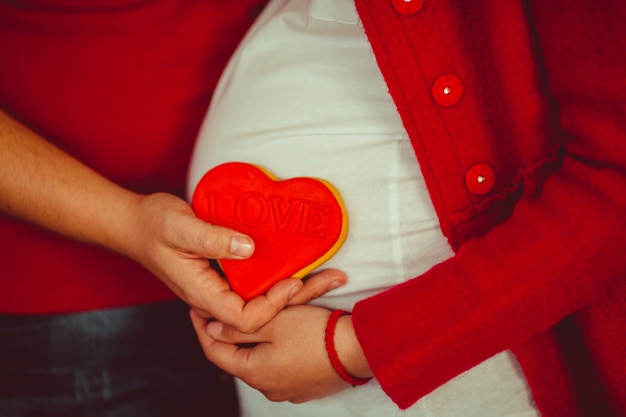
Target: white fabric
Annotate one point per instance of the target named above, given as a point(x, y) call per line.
point(303, 96)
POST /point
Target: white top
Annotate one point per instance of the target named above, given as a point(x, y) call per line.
point(303, 96)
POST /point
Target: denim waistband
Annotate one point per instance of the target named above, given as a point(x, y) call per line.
point(97, 338)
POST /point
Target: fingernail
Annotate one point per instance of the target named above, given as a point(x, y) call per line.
point(241, 246)
point(214, 328)
point(334, 284)
point(294, 290)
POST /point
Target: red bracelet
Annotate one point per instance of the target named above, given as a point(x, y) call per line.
point(329, 338)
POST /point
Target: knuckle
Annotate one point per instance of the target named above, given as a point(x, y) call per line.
point(251, 374)
point(247, 326)
point(254, 381)
point(274, 397)
point(206, 243)
point(275, 303)
point(191, 298)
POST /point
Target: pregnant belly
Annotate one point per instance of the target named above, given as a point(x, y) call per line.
point(303, 96)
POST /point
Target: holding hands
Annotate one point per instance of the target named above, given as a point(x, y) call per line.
point(46, 186)
point(174, 244)
point(286, 359)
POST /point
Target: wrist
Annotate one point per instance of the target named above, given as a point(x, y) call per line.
point(344, 350)
point(122, 234)
point(349, 349)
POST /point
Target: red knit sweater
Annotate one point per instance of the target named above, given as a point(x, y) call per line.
point(517, 114)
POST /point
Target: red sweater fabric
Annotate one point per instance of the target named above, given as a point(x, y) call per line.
point(123, 85)
point(526, 167)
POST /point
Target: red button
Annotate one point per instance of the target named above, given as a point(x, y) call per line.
point(407, 7)
point(447, 90)
point(480, 179)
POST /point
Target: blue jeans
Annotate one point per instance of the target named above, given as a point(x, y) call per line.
point(138, 361)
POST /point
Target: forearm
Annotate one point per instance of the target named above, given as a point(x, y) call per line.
point(41, 184)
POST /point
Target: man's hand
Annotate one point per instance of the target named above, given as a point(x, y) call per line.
point(43, 185)
point(174, 244)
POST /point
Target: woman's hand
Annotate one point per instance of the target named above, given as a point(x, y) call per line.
point(286, 359)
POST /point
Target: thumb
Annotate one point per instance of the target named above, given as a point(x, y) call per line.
point(240, 246)
point(217, 242)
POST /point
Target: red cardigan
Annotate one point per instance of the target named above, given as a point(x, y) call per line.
point(517, 114)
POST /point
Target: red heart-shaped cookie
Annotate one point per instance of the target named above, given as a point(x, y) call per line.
point(296, 224)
